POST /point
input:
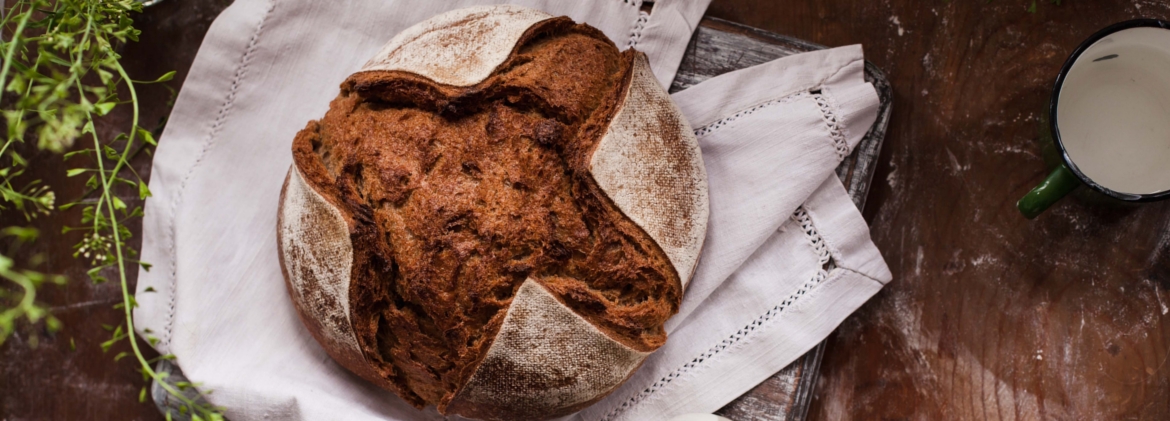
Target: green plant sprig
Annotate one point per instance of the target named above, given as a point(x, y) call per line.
point(57, 51)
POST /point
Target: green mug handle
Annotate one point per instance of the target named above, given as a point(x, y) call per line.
point(1059, 183)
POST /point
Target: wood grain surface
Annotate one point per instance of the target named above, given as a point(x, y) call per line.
point(989, 316)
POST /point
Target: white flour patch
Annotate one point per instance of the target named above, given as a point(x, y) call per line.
point(892, 177)
point(956, 166)
point(984, 260)
point(918, 261)
point(1158, 295)
point(1013, 149)
point(1029, 117)
point(898, 24)
point(1163, 244)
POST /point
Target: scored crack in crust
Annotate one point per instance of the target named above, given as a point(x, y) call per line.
point(457, 195)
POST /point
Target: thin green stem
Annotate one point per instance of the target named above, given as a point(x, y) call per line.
point(27, 300)
point(126, 302)
point(7, 143)
point(118, 245)
point(114, 224)
point(134, 126)
point(97, 148)
point(131, 168)
point(12, 46)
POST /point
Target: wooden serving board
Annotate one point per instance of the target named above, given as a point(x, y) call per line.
point(718, 47)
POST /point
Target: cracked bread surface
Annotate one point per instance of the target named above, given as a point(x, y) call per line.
point(456, 195)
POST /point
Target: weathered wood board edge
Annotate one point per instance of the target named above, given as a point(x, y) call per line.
point(787, 394)
point(718, 47)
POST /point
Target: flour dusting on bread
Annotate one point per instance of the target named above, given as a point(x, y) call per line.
point(650, 164)
point(461, 47)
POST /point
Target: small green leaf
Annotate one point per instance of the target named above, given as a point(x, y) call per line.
point(165, 77)
point(149, 289)
point(143, 190)
point(118, 203)
point(142, 395)
point(120, 356)
point(107, 344)
point(103, 108)
point(104, 75)
point(75, 172)
point(17, 84)
point(53, 324)
point(22, 234)
point(147, 136)
point(83, 151)
point(95, 276)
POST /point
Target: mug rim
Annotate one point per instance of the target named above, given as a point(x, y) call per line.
point(1054, 123)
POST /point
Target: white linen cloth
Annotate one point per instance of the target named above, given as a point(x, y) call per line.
point(787, 256)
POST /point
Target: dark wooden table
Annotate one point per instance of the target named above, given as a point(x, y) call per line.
point(990, 316)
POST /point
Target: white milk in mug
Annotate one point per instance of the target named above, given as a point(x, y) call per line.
point(1110, 117)
point(1113, 112)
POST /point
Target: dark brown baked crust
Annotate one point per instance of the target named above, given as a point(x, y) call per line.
point(457, 195)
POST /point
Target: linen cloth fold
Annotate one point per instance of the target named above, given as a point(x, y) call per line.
point(787, 255)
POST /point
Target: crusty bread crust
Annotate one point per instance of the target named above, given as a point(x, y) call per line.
point(459, 48)
point(315, 258)
point(649, 163)
point(516, 227)
point(547, 361)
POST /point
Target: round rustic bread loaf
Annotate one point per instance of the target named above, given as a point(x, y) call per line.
point(496, 215)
